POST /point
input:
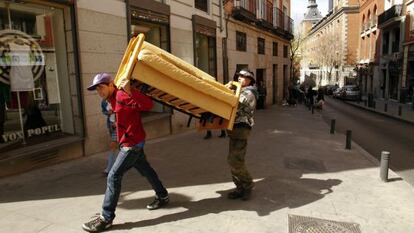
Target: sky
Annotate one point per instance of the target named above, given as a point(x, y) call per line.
point(299, 7)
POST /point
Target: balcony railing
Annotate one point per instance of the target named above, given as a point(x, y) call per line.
point(288, 24)
point(249, 5)
point(363, 28)
point(277, 17)
point(282, 21)
point(394, 11)
point(264, 11)
point(373, 22)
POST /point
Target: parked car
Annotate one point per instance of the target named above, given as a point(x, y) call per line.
point(337, 93)
point(351, 92)
point(330, 89)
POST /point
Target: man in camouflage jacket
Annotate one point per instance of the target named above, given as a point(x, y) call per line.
point(239, 135)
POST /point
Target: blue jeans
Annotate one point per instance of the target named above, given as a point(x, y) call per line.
point(127, 158)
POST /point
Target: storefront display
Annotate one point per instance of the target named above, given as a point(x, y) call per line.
point(33, 71)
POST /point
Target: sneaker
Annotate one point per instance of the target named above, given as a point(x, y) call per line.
point(235, 194)
point(222, 135)
point(158, 203)
point(97, 224)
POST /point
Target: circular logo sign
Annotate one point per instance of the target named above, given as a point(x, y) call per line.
point(19, 49)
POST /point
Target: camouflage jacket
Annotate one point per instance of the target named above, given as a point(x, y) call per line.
point(247, 105)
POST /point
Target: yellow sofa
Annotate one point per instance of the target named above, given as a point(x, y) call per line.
point(178, 84)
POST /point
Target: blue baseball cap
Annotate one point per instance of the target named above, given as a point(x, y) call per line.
point(102, 78)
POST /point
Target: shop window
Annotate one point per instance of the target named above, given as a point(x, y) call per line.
point(205, 53)
point(275, 49)
point(285, 51)
point(260, 46)
point(35, 88)
point(240, 41)
point(201, 5)
point(158, 35)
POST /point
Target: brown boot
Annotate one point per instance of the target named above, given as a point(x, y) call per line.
point(236, 194)
point(247, 193)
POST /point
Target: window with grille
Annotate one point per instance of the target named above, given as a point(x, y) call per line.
point(260, 45)
point(275, 49)
point(285, 51)
point(240, 41)
point(201, 5)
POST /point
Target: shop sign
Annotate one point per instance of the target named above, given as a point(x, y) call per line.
point(150, 16)
point(14, 136)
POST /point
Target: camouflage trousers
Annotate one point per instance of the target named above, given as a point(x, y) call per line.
point(237, 152)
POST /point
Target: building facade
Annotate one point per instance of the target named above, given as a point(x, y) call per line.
point(408, 54)
point(46, 113)
point(330, 47)
point(258, 37)
point(369, 51)
point(391, 23)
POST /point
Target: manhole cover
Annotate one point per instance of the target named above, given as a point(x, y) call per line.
point(304, 164)
point(301, 224)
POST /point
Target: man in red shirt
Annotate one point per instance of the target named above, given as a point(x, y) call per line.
point(127, 104)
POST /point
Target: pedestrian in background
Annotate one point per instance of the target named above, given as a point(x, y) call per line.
point(239, 135)
point(111, 125)
point(261, 89)
point(128, 104)
point(209, 134)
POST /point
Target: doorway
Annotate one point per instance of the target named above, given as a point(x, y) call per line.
point(285, 81)
point(275, 84)
point(261, 88)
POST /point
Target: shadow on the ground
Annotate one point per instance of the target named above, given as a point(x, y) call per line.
point(270, 194)
point(188, 160)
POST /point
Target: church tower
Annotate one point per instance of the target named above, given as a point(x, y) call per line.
point(312, 16)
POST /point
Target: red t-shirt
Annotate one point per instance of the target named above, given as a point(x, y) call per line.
point(128, 110)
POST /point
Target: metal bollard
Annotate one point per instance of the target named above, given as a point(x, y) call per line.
point(333, 121)
point(399, 110)
point(312, 109)
point(385, 107)
point(412, 102)
point(348, 139)
point(385, 157)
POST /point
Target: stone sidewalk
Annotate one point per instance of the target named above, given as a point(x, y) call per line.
point(299, 169)
point(390, 108)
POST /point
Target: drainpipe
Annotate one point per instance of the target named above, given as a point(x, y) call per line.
point(221, 15)
point(224, 43)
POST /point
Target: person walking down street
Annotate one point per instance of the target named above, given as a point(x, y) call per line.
point(239, 137)
point(261, 89)
point(128, 103)
point(310, 97)
point(209, 134)
point(111, 125)
point(320, 99)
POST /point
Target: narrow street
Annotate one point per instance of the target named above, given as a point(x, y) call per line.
point(376, 133)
